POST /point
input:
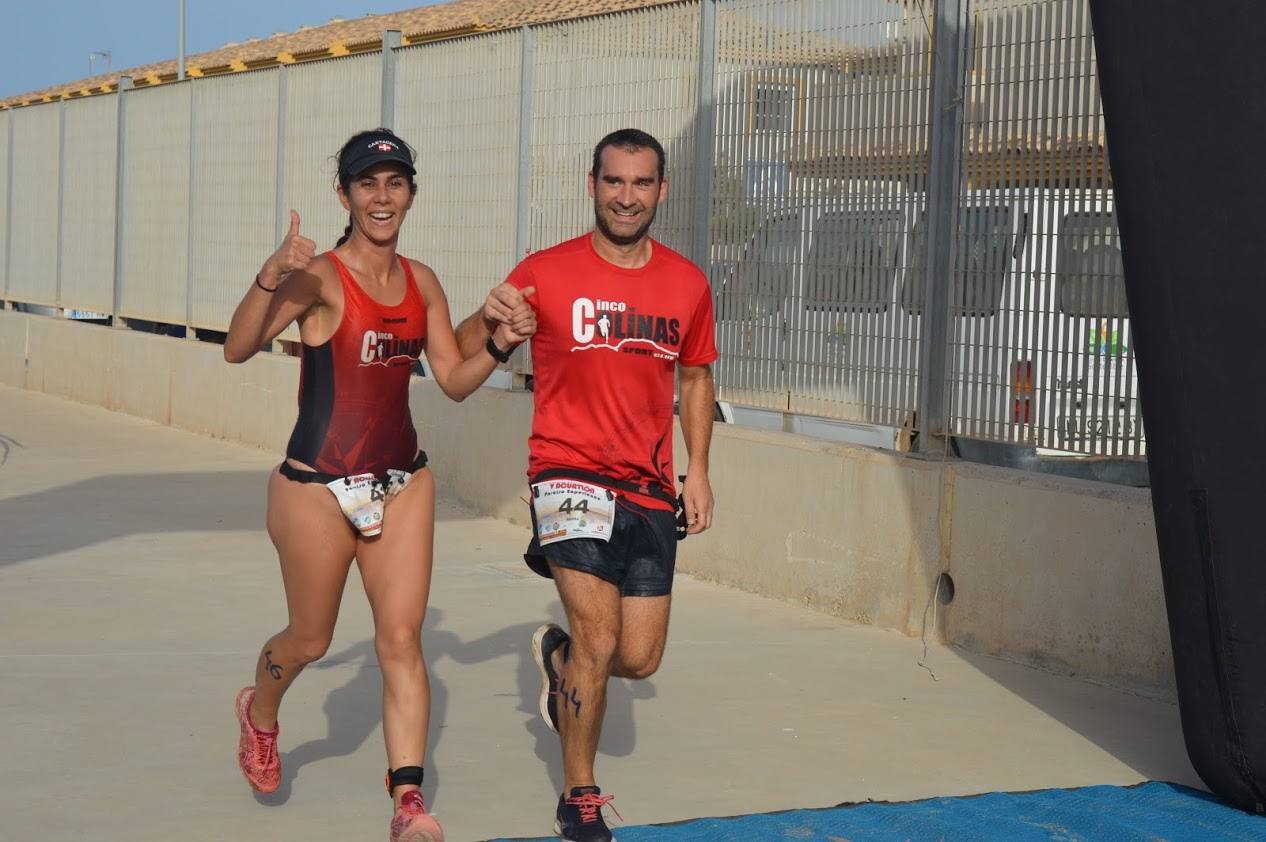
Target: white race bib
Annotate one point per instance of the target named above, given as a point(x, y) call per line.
point(568, 508)
point(362, 499)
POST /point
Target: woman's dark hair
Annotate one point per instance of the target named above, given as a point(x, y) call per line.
point(344, 177)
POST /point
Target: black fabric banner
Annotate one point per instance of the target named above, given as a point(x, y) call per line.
point(1184, 92)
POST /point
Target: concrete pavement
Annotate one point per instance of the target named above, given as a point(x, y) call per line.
point(136, 584)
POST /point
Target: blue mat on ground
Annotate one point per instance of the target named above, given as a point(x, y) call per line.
point(1151, 812)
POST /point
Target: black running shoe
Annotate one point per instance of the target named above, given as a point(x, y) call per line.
point(579, 817)
point(547, 639)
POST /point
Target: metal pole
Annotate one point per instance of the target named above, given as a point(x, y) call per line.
point(180, 47)
point(61, 199)
point(943, 184)
point(283, 213)
point(125, 85)
point(190, 333)
point(521, 363)
point(705, 133)
point(522, 227)
point(8, 209)
point(391, 41)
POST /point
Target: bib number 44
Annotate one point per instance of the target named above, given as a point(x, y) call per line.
point(567, 509)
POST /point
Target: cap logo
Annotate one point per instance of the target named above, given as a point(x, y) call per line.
point(383, 146)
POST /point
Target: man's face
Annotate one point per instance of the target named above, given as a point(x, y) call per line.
point(626, 192)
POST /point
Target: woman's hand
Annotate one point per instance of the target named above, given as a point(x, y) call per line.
point(295, 253)
point(507, 337)
point(506, 304)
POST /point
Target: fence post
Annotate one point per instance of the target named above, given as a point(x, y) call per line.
point(125, 85)
point(190, 333)
point(8, 211)
point(943, 183)
point(61, 198)
point(705, 134)
point(391, 41)
point(523, 194)
point(282, 212)
point(522, 361)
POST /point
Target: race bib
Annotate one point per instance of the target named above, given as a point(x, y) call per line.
point(568, 508)
point(362, 499)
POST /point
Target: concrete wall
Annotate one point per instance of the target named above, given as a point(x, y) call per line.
point(1055, 572)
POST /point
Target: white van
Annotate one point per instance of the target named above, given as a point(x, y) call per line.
point(822, 313)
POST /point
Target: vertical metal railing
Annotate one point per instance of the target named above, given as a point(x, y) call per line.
point(1039, 348)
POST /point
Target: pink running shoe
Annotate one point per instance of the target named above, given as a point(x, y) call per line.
point(257, 750)
point(412, 823)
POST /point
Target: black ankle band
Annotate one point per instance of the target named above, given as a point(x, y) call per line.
point(404, 776)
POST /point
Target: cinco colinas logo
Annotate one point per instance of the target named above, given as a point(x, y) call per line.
point(617, 327)
point(382, 348)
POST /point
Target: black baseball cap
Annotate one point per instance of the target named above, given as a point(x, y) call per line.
point(374, 149)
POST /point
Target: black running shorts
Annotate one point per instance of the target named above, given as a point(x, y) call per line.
point(639, 559)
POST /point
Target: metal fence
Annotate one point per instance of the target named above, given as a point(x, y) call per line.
point(457, 102)
point(821, 133)
point(904, 207)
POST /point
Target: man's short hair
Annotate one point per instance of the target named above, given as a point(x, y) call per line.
point(629, 140)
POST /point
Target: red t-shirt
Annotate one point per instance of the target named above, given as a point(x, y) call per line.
point(607, 344)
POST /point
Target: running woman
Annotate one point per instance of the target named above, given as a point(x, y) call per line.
point(354, 484)
point(619, 313)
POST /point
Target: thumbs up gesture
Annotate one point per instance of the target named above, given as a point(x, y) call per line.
point(295, 252)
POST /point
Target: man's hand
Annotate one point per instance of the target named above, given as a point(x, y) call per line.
point(697, 494)
point(507, 305)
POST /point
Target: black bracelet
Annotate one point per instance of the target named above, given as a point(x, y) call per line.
point(264, 288)
point(498, 354)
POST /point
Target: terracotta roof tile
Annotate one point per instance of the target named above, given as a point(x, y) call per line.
point(340, 37)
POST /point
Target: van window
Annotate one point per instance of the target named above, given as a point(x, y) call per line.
point(763, 277)
point(982, 256)
point(1089, 280)
point(852, 262)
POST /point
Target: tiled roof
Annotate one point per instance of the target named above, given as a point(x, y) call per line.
point(341, 37)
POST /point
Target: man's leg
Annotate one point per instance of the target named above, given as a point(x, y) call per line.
point(643, 633)
point(593, 614)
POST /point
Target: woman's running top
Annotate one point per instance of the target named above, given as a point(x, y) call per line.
point(354, 389)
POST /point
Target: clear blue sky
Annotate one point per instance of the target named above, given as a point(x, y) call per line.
point(47, 43)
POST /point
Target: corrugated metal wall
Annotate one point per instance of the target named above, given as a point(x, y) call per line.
point(233, 195)
point(6, 118)
point(33, 249)
point(457, 103)
point(156, 204)
point(88, 204)
point(326, 103)
point(591, 77)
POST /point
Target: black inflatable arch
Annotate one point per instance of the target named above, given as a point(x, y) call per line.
point(1184, 91)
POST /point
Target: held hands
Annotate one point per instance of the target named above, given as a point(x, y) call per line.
point(697, 494)
point(507, 306)
point(294, 253)
point(508, 335)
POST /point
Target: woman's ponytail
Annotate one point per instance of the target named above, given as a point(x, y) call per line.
point(347, 233)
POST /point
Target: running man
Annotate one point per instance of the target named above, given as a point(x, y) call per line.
point(618, 314)
point(354, 484)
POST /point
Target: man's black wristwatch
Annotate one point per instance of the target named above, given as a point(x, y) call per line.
point(498, 354)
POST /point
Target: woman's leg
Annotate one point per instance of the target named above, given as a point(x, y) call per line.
point(315, 544)
point(395, 567)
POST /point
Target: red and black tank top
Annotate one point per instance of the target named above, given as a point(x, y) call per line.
point(354, 389)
